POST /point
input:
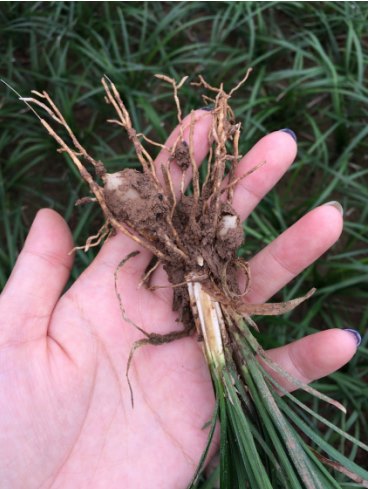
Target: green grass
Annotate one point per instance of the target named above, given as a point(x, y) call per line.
point(310, 67)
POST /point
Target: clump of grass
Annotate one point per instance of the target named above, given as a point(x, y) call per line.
point(196, 238)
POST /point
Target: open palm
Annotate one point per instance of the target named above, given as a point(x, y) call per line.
point(66, 419)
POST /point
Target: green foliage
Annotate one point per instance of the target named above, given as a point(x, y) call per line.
point(310, 64)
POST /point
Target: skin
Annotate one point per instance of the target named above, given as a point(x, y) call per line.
point(66, 419)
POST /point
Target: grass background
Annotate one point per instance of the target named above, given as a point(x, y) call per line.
point(310, 66)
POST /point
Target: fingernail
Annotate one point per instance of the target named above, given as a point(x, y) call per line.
point(356, 334)
point(290, 132)
point(335, 204)
point(208, 108)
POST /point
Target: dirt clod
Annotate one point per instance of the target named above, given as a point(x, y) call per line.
point(181, 155)
point(132, 197)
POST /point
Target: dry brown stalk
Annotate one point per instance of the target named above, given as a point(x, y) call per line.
point(176, 87)
point(147, 276)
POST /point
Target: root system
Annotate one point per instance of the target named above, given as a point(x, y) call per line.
point(195, 235)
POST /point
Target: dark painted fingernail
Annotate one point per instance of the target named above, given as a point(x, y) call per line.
point(290, 132)
point(208, 108)
point(356, 334)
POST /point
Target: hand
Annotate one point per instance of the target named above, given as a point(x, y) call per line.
point(66, 418)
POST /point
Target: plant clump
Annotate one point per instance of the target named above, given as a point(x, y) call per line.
point(195, 236)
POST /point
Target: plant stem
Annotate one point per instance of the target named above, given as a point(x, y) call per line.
point(209, 323)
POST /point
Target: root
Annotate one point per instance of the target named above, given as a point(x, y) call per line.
point(169, 183)
point(151, 338)
point(143, 156)
point(75, 155)
point(146, 278)
point(176, 87)
point(239, 85)
point(56, 115)
point(85, 200)
point(122, 310)
point(153, 143)
point(195, 173)
point(196, 236)
point(222, 130)
point(244, 266)
point(230, 186)
point(199, 278)
point(95, 240)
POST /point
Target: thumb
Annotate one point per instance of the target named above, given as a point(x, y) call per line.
point(37, 280)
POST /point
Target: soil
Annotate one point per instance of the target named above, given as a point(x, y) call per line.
point(181, 155)
point(133, 199)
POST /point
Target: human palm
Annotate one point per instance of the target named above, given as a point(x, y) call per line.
point(66, 419)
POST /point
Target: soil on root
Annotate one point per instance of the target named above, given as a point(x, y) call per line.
point(132, 198)
point(195, 237)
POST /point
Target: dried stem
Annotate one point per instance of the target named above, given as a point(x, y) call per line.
point(176, 87)
point(94, 240)
point(55, 113)
point(143, 156)
point(153, 143)
point(169, 183)
point(208, 320)
point(239, 85)
point(96, 189)
point(146, 278)
point(230, 186)
point(195, 173)
point(232, 171)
